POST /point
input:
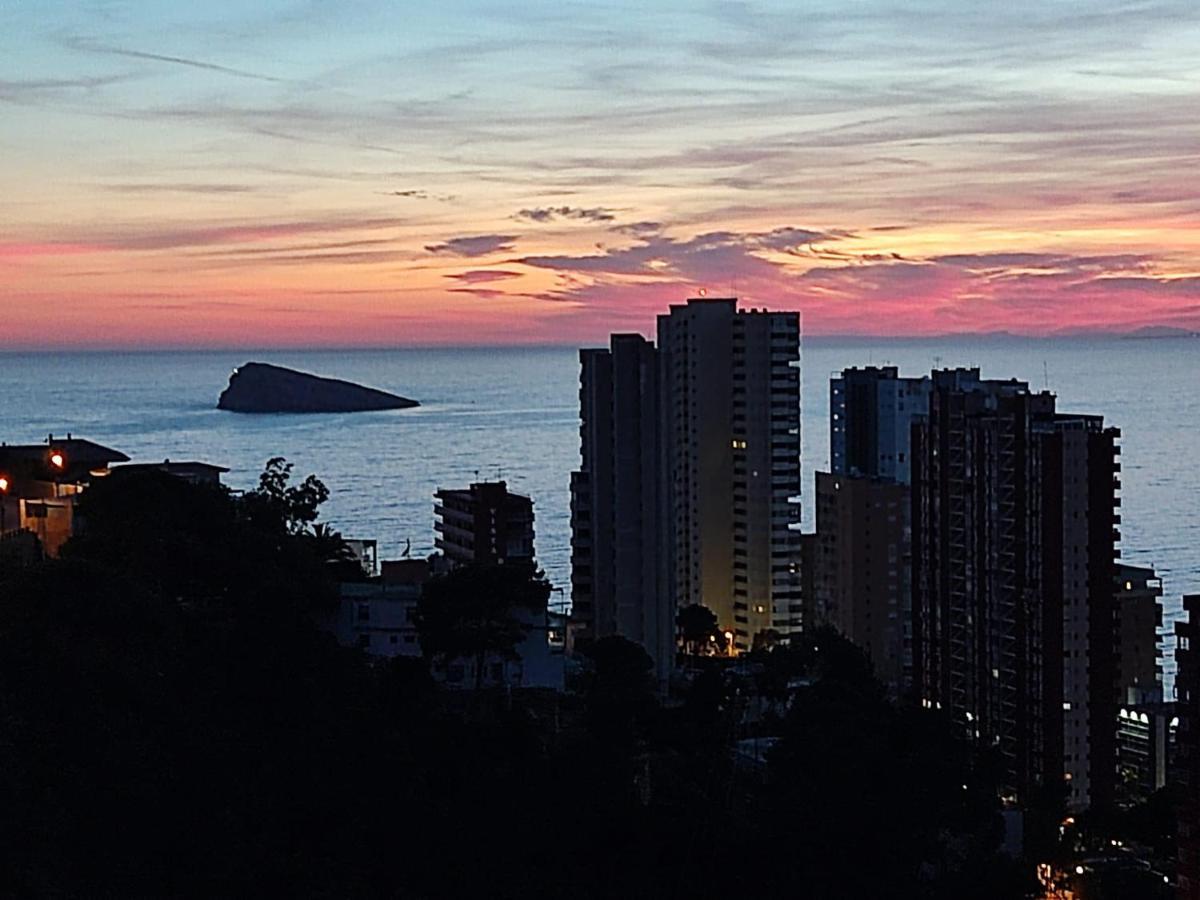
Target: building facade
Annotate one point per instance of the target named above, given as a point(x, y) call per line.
point(871, 412)
point(1138, 612)
point(620, 558)
point(1187, 699)
point(862, 564)
point(1014, 541)
point(730, 382)
point(860, 578)
point(484, 524)
point(40, 484)
point(689, 486)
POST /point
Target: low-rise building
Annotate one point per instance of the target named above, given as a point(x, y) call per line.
point(40, 483)
point(190, 470)
point(1146, 734)
point(484, 524)
point(379, 615)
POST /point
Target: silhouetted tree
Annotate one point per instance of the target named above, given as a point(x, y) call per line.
point(478, 612)
point(699, 631)
point(619, 691)
point(900, 789)
point(198, 543)
point(277, 503)
point(174, 724)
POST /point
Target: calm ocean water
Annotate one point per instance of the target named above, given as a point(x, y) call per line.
point(513, 413)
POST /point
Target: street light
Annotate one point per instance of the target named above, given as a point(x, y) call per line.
point(58, 462)
point(3, 505)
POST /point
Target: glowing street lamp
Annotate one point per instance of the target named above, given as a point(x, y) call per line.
point(57, 459)
point(3, 494)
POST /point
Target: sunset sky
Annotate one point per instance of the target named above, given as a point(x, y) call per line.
point(384, 173)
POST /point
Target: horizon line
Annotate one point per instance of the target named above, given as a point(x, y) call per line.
point(566, 345)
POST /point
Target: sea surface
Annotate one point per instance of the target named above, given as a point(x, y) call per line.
point(513, 414)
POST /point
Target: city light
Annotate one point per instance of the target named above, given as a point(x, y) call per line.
point(3, 485)
point(58, 460)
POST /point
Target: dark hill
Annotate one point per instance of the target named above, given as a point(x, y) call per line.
point(263, 388)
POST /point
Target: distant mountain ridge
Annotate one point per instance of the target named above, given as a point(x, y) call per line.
point(1145, 332)
point(1160, 331)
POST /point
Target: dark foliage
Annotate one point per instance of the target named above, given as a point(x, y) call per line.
point(699, 632)
point(479, 612)
point(173, 723)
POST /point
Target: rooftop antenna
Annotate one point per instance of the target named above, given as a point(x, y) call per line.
point(1045, 375)
point(407, 548)
point(937, 362)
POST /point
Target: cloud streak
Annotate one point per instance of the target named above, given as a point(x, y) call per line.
point(542, 214)
point(474, 245)
point(86, 45)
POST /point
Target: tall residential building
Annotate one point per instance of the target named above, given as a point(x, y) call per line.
point(730, 383)
point(1187, 697)
point(862, 572)
point(871, 411)
point(1138, 616)
point(619, 556)
point(690, 479)
point(1144, 731)
point(1014, 537)
point(484, 524)
point(860, 578)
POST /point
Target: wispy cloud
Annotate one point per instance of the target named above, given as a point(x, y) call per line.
point(843, 289)
point(173, 236)
point(475, 245)
point(169, 187)
point(87, 45)
point(706, 256)
point(416, 194)
point(484, 276)
point(35, 90)
point(579, 213)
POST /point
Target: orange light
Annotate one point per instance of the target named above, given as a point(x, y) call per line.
point(3, 485)
point(57, 460)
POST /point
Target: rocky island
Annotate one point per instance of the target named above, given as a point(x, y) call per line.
point(264, 388)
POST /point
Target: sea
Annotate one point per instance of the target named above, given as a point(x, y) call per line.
point(513, 414)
